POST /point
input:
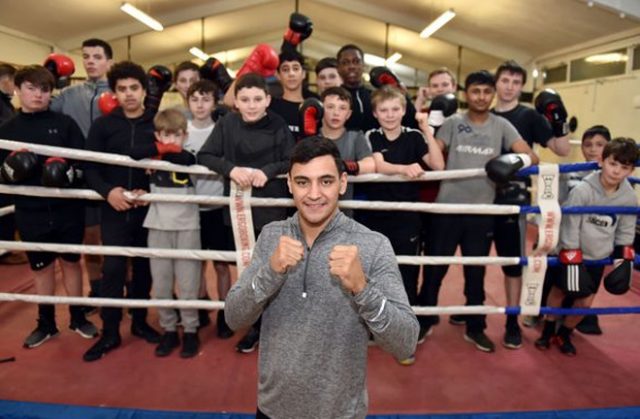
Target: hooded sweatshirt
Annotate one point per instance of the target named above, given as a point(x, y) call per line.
point(597, 234)
point(314, 335)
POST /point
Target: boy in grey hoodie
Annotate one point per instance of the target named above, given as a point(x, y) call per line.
point(322, 283)
point(592, 237)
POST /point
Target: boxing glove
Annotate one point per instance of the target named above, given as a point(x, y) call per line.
point(549, 104)
point(441, 107)
point(262, 60)
point(107, 102)
point(618, 281)
point(62, 67)
point(214, 70)
point(310, 115)
point(58, 173)
point(159, 80)
point(168, 148)
point(300, 28)
point(19, 166)
point(512, 193)
point(574, 279)
point(501, 169)
point(382, 76)
point(352, 167)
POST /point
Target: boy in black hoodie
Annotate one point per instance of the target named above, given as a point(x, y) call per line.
point(128, 130)
point(46, 220)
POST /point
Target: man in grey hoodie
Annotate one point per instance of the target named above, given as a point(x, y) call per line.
point(322, 283)
point(81, 102)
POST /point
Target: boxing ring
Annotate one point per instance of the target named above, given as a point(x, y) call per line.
point(447, 369)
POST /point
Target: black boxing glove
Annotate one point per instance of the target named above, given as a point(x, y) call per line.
point(501, 169)
point(512, 193)
point(574, 278)
point(58, 173)
point(382, 76)
point(618, 281)
point(159, 79)
point(214, 70)
point(19, 166)
point(441, 107)
point(310, 115)
point(352, 167)
point(549, 104)
point(300, 28)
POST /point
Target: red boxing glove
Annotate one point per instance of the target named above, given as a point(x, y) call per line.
point(59, 65)
point(168, 148)
point(352, 167)
point(107, 102)
point(382, 76)
point(310, 115)
point(262, 60)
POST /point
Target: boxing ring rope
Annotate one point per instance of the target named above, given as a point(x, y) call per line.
point(280, 202)
point(9, 209)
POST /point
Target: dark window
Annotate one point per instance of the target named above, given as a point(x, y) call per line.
point(611, 63)
point(636, 58)
point(557, 74)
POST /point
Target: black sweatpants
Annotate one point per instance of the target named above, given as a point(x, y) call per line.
point(473, 234)
point(124, 229)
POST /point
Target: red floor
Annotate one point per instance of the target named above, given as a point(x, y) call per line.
point(450, 375)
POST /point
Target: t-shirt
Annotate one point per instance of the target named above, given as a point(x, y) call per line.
point(289, 112)
point(352, 146)
point(471, 146)
point(532, 127)
point(410, 147)
point(211, 185)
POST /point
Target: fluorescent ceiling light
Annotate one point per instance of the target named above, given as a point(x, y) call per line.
point(141, 16)
point(438, 23)
point(611, 57)
point(393, 58)
point(199, 53)
point(374, 60)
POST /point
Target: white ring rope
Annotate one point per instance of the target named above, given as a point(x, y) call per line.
point(228, 256)
point(208, 305)
point(120, 160)
point(481, 209)
point(10, 209)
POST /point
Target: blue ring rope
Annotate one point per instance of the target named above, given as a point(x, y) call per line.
point(578, 311)
point(528, 209)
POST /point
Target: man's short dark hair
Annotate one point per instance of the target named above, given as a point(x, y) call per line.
point(479, 77)
point(597, 130)
point(326, 62)
point(126, 70)
point(512, 67)
point(623, 150)
point(290, 56)
point(202, 87)
point(36, 75)
point(95, 42)
point(341, 92)
point(350, 47)
point(7, 70)
point(309, 148)
point(249, 80)
point(184, 66)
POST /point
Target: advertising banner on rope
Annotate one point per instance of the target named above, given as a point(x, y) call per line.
point(242, 224)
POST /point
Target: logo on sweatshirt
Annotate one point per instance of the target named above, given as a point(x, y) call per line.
point(602, 220)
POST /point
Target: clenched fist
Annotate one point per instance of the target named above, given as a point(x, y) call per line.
point(288, 253)
point(344, 263)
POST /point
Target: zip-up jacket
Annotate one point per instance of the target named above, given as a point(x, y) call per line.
point(46, 128)
point(115, 133)
point(314, 335)
point(80, 102)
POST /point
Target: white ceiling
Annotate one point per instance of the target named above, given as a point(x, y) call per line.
point(484, 32)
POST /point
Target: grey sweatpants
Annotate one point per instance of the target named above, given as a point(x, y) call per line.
point(185, 272)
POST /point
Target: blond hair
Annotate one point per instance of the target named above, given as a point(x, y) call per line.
point(170, 120)
point(387, 93)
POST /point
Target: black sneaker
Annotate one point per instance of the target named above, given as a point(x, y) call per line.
point(482, 342)
point(40, 335)
point(104, 345)
point(190, 345)
point(589, 325)
point(84, 328)
point(146, 332)
point(222, 328)
point(168, 342)
point(424, 333)
point(565, 345)
point(249, 342)
point(458, 319)
point(512, 337)
point(543, 342)
point(203, 318)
